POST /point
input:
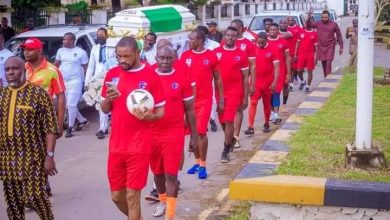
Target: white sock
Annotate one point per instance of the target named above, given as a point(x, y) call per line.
point(276, 115)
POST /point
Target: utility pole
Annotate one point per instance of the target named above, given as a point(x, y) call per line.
point(365, 75)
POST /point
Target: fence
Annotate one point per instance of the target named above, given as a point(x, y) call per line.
point(85, 16)
point(20, 17)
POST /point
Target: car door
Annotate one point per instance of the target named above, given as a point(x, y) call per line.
point(84, 43)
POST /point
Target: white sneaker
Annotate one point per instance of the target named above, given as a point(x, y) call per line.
point(160, 210)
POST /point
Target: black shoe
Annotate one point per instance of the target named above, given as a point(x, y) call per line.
point(100, 134)
point(80, 125)
point(249, 131)
point(225, 157)
point(106, 132)
point(266, 128)
point(213, 125)
point(69, 132)
point(303, 84)
point(307, 90)
point(153, 196)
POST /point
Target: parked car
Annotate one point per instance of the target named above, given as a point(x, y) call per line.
point(51, 37)
point(317, 14)
point(256, 25)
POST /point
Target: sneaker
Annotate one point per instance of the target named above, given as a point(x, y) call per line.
point(153, 196)
point(202, 173)
point(249, 131)
point(224, 157)
point(69, 132)
point(80, 125)
point(302, 85)
point(266, 128)
point(100, 134)
point(160, 210)
point(193, 169)
point(213, 125)
point(290, 87)
point(307, 90)
point(106, 132)
point(236, 144)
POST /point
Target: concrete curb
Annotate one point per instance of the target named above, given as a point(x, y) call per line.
point(256, 181)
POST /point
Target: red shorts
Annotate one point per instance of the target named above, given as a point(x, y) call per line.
point(232, 103)
point(167, 154)
point(281, 81)
point(202, 115)
point(127, 171)
point(305, 60)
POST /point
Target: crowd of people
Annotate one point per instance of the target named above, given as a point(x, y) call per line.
point(217, 78)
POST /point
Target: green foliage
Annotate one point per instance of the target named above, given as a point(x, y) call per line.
point(79, 6)
point(34, 4)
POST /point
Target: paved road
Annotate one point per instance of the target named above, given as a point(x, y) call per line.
point(81, 188)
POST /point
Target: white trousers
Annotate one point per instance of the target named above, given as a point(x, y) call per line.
point(72, 95)
point(103, 119)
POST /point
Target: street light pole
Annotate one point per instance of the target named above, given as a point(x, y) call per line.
point(365, 68)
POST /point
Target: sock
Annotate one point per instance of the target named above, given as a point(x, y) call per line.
point(163, 197)
point(272, 115)
point(171, 208)
point(197, 161)
point(226, 148)
point(276, 115)
point(202, 163)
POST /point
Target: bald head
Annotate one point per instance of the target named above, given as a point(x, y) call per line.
point(283, 25)
point(164, 42)
point(165, 57)
point(127, 42)
point(291, 21)
point(14, 72)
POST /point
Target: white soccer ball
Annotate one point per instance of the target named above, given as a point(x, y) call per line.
point(139, 98)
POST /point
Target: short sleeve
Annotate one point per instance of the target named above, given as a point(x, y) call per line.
point(84, 57)
point(157, 91)
point(58, 55)
point(57, 83)
point(214, 60)
point(48, 114)
point(186, 92)
point(251, 52)
point(244, 62)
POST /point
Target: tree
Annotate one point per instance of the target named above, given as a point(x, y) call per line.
point(380, 5)
point(34, 4)
point(116, 5)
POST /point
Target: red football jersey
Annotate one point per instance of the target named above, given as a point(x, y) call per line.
point(281, 46)
point(177, 89)
point(295, 31)
point(130, 135)
point(231, 63)
point(247, 46)
point(265, 58)
point(308, 40)
point(200, 66)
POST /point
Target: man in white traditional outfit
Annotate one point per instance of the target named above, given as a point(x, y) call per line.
point(72, 62)
point(98, 65)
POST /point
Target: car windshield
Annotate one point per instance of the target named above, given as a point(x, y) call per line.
point(258, 25)
point(50, 46)
point(318, 16)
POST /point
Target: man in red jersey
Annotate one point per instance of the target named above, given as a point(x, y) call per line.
point(202, 68)
point(130, 143)
point(168, 132)
point(234, 70)
point(249, 48)
point(295, 31)
point(306, 47)
point(291, 41)
point(266, 79)
point(280, 44)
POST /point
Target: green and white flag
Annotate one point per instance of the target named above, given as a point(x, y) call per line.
point(166, 19)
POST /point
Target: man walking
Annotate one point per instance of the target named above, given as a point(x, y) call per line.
point(28, 132)
point(4, 55)
point(327, 29)
point(7, 31)
point(352, 35)
point(130, 145)
point(97, 65)
point(234, 70)
point(265, 82)
point(72, 62)
point(168, 132)
point(202, 67)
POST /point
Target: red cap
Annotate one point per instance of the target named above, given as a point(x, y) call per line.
point(32, 43)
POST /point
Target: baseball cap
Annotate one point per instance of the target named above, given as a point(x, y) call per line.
point(212, 23)
point(32, 43)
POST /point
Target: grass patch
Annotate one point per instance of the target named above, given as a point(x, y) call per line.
point(318, 148)
point(241, 212)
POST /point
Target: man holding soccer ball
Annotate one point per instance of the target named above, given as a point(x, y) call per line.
point(130, 143)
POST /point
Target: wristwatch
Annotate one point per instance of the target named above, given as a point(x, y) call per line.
point(50, 154)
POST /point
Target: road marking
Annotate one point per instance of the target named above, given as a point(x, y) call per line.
point(222, 195)
point(205, 213)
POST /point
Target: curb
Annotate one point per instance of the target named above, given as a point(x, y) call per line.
point(256, 181)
